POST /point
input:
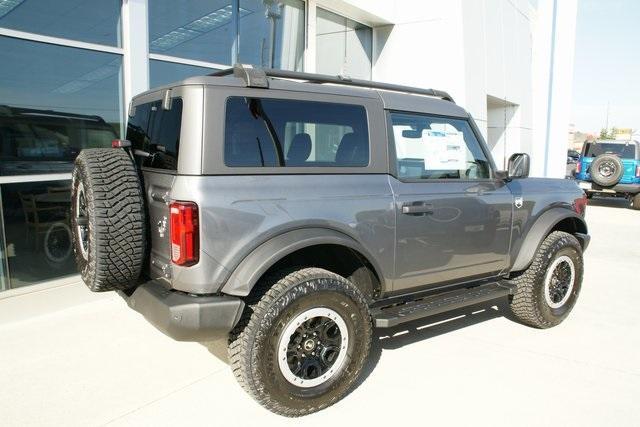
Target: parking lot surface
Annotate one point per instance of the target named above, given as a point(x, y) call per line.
point(100, 363)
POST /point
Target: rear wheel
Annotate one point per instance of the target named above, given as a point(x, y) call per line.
point(635, 202)
point(547, 291)
point(302, 342)
point(108, 225)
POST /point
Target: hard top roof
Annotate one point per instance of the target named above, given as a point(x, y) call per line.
point(402, 100)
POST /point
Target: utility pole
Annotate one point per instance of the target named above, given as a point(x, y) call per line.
point(606, 126)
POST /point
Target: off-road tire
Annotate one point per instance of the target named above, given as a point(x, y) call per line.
point(635, 202)
point(116, 219)
point(528, 303)
point(602, 180)
point(277, 300)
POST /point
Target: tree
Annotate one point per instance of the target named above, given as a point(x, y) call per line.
point(608, 134)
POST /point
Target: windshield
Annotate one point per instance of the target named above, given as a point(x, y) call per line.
point(625, 151)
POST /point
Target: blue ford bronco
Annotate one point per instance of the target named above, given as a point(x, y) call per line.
point(610, 168)
point(292, 213)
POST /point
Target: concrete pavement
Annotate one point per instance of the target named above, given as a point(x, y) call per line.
point(100, 363)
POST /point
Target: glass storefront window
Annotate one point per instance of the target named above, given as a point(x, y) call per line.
point(37, 233)
point(343, 46)
point(272, 33)
point(54, 101)
point(87, 21)
point(4, 283)
point(162, 72)
point(199, 29)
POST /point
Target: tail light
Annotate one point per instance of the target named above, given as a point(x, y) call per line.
point(184, 233)
point(580, 205)
point(120, 143)
point(578, 166)
point(637, 171)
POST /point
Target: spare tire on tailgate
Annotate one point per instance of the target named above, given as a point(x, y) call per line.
point(108, 221)
point(606, 170)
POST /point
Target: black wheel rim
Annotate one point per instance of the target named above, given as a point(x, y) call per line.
point(58, 242)
point(559, 281)
point(313, 347)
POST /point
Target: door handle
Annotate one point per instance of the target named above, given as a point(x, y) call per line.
point(417, 208)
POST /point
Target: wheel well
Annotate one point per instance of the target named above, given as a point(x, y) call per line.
point(338, 259)
point(570, 225)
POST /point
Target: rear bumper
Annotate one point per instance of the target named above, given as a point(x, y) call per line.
point(618, 188)
point(185, 317)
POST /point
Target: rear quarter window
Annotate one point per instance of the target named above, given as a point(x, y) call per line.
point(265, 132)
point(155, 133)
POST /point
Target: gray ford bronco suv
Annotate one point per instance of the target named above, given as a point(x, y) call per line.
point(292, 213)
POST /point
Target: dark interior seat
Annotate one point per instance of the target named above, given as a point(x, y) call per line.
point(299, 150)
point(353, 150)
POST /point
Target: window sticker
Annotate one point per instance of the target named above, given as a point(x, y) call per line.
point(444, 150)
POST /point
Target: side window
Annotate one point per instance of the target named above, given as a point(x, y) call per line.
point(156, 132)
point(263, 132)
point(430, 147)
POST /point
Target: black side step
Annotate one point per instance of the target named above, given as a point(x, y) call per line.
point(387, 317)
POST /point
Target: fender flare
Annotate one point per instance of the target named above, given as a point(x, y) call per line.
point(254, 265)
point(541, 229)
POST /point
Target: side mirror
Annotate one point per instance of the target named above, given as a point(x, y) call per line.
point(518, 166)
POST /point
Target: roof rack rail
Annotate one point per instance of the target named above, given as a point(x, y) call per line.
point(257, 77)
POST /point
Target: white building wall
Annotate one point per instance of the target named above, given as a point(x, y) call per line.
point(490, 56)
point(552, 65)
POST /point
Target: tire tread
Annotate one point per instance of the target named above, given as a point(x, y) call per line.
point(117, 219)
point(262, 299)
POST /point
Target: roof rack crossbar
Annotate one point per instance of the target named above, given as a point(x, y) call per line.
point(257, 77)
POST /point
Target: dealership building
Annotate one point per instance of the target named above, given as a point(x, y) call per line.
point(68, 69)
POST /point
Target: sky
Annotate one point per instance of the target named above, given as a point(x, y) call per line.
point(607, 65)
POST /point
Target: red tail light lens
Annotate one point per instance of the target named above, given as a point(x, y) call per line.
point(580, 205)
point(120, 143)
point(184, 233)
point(578, 166)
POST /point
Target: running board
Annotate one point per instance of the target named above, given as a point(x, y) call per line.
point(387, 317)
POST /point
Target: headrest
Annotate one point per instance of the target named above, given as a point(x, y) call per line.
point(299, 149)
point(353, 150)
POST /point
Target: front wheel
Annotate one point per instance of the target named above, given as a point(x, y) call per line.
point(547, 290)
point(302, 342)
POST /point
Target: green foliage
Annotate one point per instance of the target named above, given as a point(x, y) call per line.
point(607, 134)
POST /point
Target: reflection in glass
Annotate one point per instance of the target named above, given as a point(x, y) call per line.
point(49, 110)
point(156, 131)
point(343, 46)
point(272, 33)
point(162, 72)
point(4, 281)
point(38, 236)
point(87, 21)
point(199, 29)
